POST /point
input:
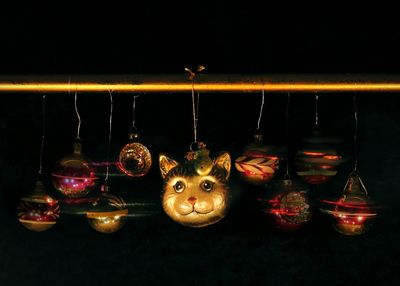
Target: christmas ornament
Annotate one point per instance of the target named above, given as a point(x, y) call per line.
point(258, 165)
point(289, 208)
point(108, 212)
point(74, 175)
point(195, 193)
point(134, 159)
point(317, 162)
point(287, 203)
point(353, 213)
point(38, 211)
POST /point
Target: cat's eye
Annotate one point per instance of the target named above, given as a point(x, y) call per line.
point(179, 187)
point(207, 185)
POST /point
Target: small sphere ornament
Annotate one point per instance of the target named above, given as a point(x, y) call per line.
point(257, 165)
point(108, 212)
point(353, 213)
point(73, 175)
point(134, 159)
point(38, 211)
point(289, 207)
point(317, 162)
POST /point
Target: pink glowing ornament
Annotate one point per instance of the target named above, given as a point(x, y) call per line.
point(38, 211)
point(73, 175)
point(257, 165)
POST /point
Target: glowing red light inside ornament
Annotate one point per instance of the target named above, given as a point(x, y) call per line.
point(352, 214)
point(318, 163)
point(73, 175)
point(38, 212)
point(289, 209)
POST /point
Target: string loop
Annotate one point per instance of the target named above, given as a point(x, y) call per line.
point(109, 137)
point(43, 134)
point(261, 111)
point(78, 131)
point(287, 175)
point(355, 138)
point(134, 113)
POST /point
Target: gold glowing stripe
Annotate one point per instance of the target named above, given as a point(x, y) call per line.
point(36, 222)
point(203, 83)
point(229, 87)
point(107, 214)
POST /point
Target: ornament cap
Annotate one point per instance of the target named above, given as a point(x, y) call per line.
point(134, 136)
point(355, 186)
point(258, 138)
point(77, 148)
point(287, 182)
point(39, 188)
point(105, 188)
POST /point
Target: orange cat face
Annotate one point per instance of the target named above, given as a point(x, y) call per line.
point(192, 199)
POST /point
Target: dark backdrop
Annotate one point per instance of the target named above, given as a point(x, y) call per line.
point(228, 38)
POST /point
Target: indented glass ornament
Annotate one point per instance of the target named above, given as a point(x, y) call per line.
point(317, 162)
point(73, 175)
point(134, 159)
point(289, 207)
point(108, 212)
point(38, 212)
point(257, 165)
point(352, 214)
point(195, 193)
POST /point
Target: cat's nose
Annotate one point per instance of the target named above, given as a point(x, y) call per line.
point(192, 200)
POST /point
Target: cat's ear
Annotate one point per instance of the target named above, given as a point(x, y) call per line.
point(166, 164)
point(223, 161)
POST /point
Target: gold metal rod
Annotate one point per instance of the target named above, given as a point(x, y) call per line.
point(204, 83)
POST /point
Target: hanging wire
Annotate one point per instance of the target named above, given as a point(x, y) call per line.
point(316, 111)
point(79, 117)
point(355, 134)
point(109, 137)
point(195, 108)
point(195, 101)
point(287, 175)
point(134, 112)
point(43, 134)
point(261, 111)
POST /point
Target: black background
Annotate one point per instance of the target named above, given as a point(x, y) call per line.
point(95, 38)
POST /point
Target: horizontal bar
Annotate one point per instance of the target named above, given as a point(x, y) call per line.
point(203, 83)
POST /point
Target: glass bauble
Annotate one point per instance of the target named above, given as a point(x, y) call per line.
point(258, 165)
point(38, 211)
point(288, 206)
point(317, 162)
point(353, 213)
point(196, 192)
point(108, 212)
point(73, 175)
point(134, 159)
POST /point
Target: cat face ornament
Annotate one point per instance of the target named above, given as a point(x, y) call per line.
point(195, 193)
